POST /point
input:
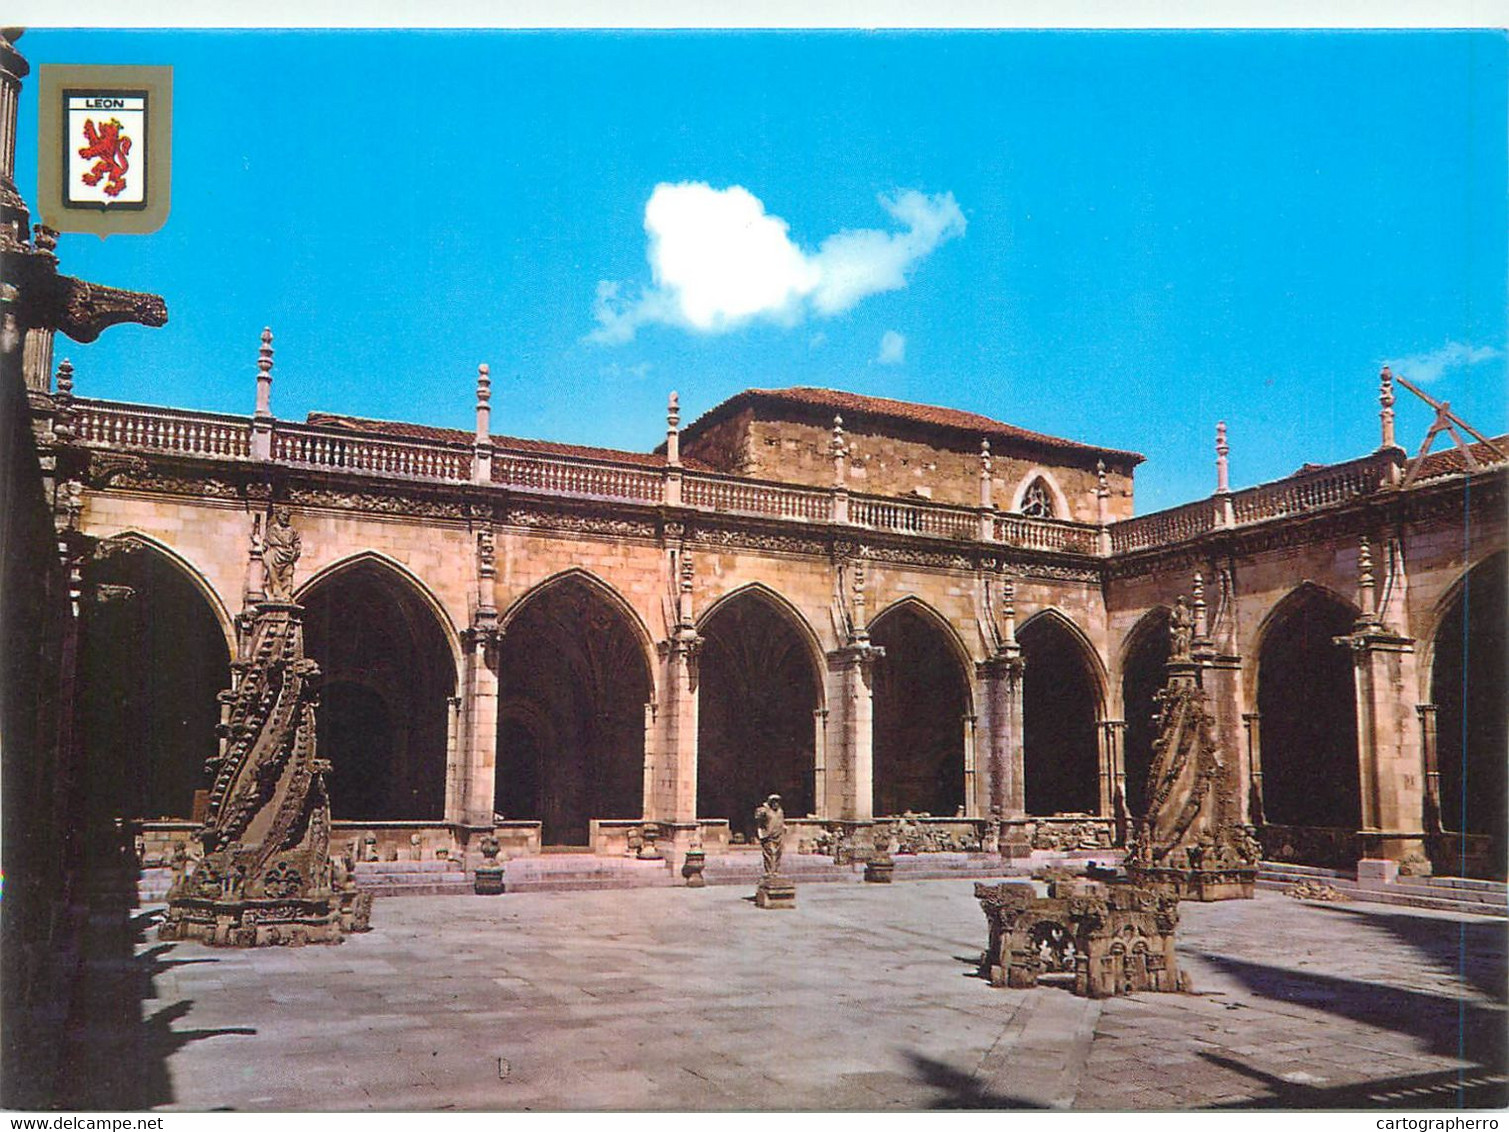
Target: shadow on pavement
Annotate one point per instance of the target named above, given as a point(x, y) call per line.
point(961, 1090)
point(115, 1057)
point(1447, 1027)
point(1451, 1088)
point(1473, 949)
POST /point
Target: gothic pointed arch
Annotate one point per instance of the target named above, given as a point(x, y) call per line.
point(602, 590)
point(190, 572)
point(416, 584)
point(782, 606)
point(759, 690)
point(1469, 688)
point(154, 657)
point(1143, 673)
point(573, 682)
point(388, 658)
point(922, 709)
point(1307, 714)
point(1062, 698)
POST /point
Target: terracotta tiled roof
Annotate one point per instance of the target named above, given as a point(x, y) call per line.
point(857, 406)
point(1449, 461)
point(433, 435)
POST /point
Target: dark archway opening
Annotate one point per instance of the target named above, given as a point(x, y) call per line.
point(758, 690)
point(571, 659)
point(388, 675)
point(153, 662)
point(1143, 674)
point(1469, 690)
point(921, 699)
point(1060, 707)
point(1307, 710)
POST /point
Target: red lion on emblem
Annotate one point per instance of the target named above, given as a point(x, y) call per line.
point(110, 146)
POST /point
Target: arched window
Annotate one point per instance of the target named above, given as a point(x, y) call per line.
point(1037, 500)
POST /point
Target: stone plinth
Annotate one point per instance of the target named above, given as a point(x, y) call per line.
point(775, 891)
point(1114, 938)
point(1208, 883)
point(879, 870)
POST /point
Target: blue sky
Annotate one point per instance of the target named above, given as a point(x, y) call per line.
point(1117, 237)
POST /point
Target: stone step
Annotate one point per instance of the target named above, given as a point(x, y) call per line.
point(1410, 898)
point(1466, 884)
point(365, 868)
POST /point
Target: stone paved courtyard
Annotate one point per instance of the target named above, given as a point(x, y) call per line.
point(862, 998)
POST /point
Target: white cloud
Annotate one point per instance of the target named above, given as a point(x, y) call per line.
point(718, 261)
point(1429, 367)
point(892, 349)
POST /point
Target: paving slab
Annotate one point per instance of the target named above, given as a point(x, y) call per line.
point(861, 998)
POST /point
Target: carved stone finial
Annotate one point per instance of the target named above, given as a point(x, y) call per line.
point(44, 238)
point(484, 383)
point(1386, 399)
point(65, 378)
point(985, 463)
point(1102, 487)
point(673, 430)
point(838, 449)
point(264, 375)
point(1223, 480)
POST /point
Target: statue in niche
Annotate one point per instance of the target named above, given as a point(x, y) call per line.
point(770, 820)
point(1181, 629)
point(282, 549)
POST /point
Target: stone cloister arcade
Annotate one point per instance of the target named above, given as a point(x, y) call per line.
point(561, 673)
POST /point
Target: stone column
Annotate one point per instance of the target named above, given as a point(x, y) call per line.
point(674, 797)
point(477, 726)
point(850, 792)
point(476, 748)
point(1113, 773)
point(1389, 757)
point(1254, 748)
point(820, 762)
point(1431, 760)
point(1000, 695)
point(972, 807)
point(672, 775)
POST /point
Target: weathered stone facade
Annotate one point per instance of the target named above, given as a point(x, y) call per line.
point(685, 605)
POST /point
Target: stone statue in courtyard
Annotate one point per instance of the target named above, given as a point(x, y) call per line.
point(774, 890)
point(280, 554)
point(770, 821)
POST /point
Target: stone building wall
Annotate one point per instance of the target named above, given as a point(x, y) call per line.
point(881, 462)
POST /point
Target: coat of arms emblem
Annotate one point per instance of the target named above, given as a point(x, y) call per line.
point(106, 138)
